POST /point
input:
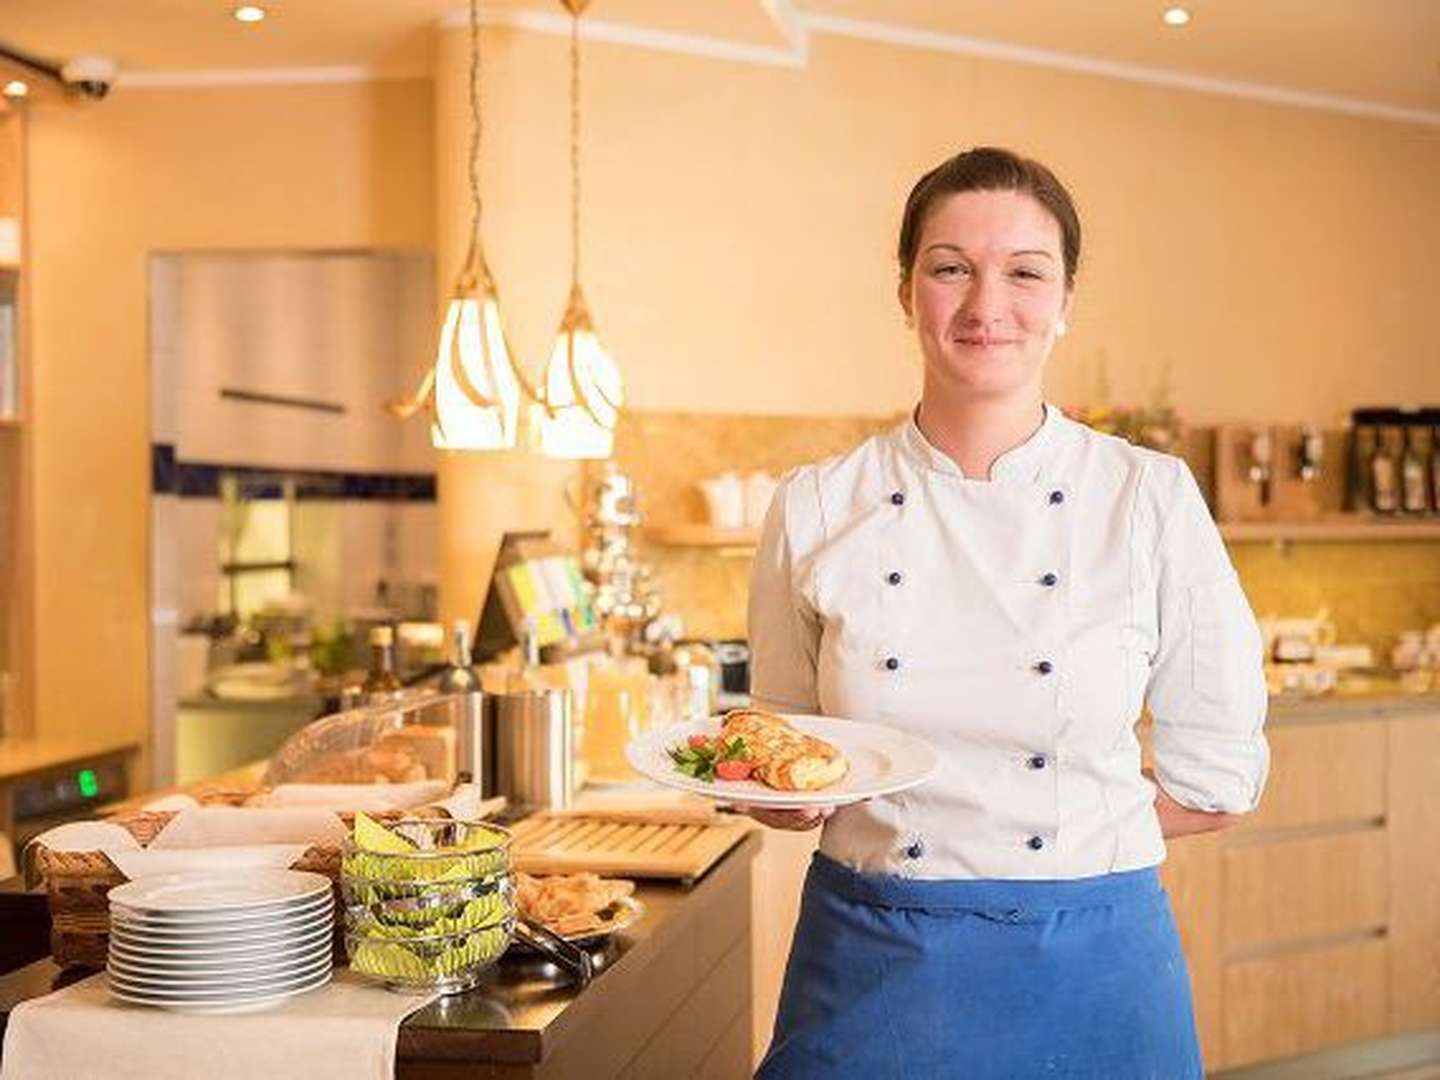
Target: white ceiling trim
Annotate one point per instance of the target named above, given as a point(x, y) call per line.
point(905, 36)
point(797, 26)
point(795, 54)
point(278, 76)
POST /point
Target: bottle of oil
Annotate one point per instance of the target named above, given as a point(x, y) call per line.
point(381, 684)
point(1385, 472)
point(472, 741)
point(1414, 483)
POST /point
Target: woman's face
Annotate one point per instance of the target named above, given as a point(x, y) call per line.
point(986, 292)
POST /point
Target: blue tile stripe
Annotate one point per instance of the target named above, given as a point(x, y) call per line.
point(201, 480)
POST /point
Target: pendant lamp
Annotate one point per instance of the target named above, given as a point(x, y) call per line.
point(581, 389)
point(472, 392)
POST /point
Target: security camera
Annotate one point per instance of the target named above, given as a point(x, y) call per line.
point(91, 75)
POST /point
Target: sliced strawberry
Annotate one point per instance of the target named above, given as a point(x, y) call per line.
point(699, 742)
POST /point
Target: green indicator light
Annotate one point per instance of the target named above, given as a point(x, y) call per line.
point(89, 786)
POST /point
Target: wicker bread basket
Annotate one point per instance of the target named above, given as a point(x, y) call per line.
point(78, 883)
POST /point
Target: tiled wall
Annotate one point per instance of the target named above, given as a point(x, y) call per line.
point(667, 454)
point(1373, 590)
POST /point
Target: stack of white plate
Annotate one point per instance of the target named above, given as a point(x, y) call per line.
point(210, 942)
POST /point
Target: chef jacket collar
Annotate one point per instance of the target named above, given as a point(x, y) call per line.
point(1019, 464)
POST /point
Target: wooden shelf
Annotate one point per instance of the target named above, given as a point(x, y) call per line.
point(701, 536)
point(1348, 529)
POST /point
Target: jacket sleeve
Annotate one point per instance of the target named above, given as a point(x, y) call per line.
point(1207, 690)
point(784, 631)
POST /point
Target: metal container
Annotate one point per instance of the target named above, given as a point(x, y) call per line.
point(534, 748)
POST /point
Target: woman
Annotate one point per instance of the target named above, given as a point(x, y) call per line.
point(1013, 587)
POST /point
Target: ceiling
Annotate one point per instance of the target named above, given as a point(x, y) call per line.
point(1381, 51)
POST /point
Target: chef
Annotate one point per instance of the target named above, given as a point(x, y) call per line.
point(1014, 588)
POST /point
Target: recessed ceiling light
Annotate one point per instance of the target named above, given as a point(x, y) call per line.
point(249, 13)
point(1176, 16)
point(16, 88)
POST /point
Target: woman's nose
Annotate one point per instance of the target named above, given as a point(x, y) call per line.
point(980, 304)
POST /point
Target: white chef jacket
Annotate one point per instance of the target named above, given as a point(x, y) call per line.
point(1019, 625)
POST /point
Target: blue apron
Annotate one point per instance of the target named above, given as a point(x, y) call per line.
point(894, 977)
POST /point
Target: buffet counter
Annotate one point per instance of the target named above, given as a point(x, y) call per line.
point(671, 998)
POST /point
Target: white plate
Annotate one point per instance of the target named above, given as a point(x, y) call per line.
point(218, 892)
point(164, 984)
point(882, 761)
point(238, 1004)
point(209, 970)
point(206, 952)
point(208, 920)
point(258, 936)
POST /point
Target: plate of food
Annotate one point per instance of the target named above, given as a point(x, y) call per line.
point(581, 908)
point(758, 758)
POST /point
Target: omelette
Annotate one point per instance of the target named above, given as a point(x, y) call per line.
point(784, 757)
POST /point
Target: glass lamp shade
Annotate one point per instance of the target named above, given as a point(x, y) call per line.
point(477, 396)
point(584, 392)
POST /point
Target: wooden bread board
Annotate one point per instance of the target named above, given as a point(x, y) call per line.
point(620, 845)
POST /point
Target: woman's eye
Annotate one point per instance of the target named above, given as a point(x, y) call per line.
point(1028, 274)
point(949, 268)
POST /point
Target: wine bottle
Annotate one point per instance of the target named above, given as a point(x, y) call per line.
point(472, 742)
point(381, 683)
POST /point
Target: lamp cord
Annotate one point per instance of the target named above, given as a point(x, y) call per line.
point(474, 164)
point(574, 148)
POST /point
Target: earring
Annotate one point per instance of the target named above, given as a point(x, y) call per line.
point(1060, 328)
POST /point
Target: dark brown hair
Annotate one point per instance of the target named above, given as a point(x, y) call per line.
point(990, 168)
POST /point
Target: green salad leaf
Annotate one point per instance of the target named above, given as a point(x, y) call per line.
point(699, 761)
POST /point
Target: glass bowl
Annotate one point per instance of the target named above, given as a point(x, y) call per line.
point(432, 917)
point(448, 963)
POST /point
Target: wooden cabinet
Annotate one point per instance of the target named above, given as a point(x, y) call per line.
point(1316, 922)
point(1414, 835)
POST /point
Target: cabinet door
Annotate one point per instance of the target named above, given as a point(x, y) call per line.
point(1414, 873)
point(1191, 874)
point(1288, 1004)
point(1290, 890)
point(1322, 773)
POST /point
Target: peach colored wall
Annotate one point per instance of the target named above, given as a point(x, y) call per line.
point(145, 170)
point(1271, 262)
point(739, 222)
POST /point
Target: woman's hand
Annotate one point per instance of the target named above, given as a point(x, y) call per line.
point(798, 820)
point(1179, 820)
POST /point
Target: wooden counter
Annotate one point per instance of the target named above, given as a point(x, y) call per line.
point(672, 999)
point(22, 757)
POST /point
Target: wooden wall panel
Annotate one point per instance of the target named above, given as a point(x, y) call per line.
point(1191, 874)
point(1415, 873)
point(1309, 888)
point(1284, 1005)
point(1322, 773)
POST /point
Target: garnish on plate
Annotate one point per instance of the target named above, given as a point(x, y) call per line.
point(707, 758)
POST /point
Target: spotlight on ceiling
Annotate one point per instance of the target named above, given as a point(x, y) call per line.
point(16, 89)
point(249, 13)
point(1176, 16)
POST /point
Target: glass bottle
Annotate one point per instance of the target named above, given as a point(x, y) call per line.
point(1414, 498)
point(1385, 472)
point(381, 683)
point(1435, 462)
point(460, 678)
point(1362, 448)
point(527, 675)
